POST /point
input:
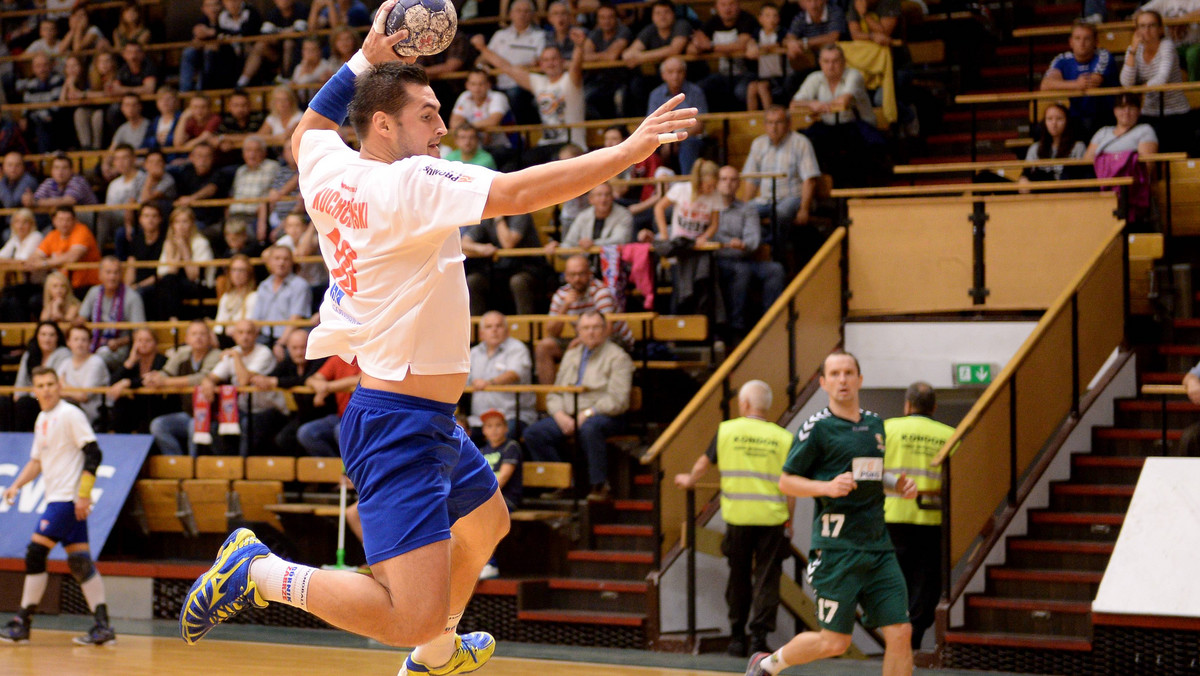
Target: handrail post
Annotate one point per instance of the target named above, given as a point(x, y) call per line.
point(1012, 440)
point(690, 531)
point(1075, 390)
point(979, 218)
point(791, 356)
point(946, 512)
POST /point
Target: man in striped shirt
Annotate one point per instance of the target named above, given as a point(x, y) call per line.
point(581, 293)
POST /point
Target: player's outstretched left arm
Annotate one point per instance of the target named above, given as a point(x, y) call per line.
point(339, 89)
point(28, 473)
point(544, 185)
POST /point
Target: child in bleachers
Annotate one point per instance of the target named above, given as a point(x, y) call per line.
point(771, 67)
point(504, 456)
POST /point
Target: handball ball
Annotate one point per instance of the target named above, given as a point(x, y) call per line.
point(431, 25)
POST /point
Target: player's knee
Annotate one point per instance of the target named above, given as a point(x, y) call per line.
point(410, 629)
point(834, 644)
point(35, 558)
point(899, 635)
point(81, 566)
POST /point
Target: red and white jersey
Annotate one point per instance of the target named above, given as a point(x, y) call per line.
point(59, 436)
point(397, 297)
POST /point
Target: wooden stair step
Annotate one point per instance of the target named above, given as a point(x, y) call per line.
point(982, 157)
point(1188, 323)
point(1160, 378)
point(1008, 71)
point(630, 530)
point(1023, 50)
point(965, 137)
point(610, 556)
point(1119, 490)
point(1035, 575)
point(634, 505)
point(643, 480)
point(989, 114)
point(1034, 641)
point(1116, 461)
point(498, 587)
point(1077, 518)
point(1156, 406)
point(1003, 603)
point(585, 584)
point(582, 617)
point(1185, 350)
point(1061, 546)
point(1134, 434)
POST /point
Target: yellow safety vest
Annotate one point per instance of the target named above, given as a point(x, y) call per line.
point(912, 443)
point(750, 455)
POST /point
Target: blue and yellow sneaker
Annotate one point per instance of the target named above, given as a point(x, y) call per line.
point(471, 651)
point(226, 589)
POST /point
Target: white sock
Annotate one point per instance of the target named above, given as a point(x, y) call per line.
point(438, 652)
point(93, 591)
point(35, 586)
point(282, 581)
point(775, 663)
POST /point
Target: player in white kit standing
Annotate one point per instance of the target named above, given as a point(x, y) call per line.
point(388, 219)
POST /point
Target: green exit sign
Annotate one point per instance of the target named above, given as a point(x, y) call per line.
point(973, 374)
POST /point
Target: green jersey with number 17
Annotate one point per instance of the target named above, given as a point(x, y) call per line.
point(827, 446)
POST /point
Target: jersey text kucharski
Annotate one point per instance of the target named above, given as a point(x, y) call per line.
point(346, 212)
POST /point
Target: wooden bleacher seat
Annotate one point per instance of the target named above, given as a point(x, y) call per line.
point(249, 498)
point(270, 468)
point(552, 475)
point(171, 467)
point(319, 470)
point(207, 501)
point(159, 505)
point(226, 467)
point(680, 327)
point(1144, 250)
point(1185, 197)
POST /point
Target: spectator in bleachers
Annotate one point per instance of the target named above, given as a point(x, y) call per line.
point(199, 179)
point(729, 31)
point(159, 186)
point(282, 296)
point(131, 27)
point(63, 187)
point(236, 239)
point(488, 276)
point(874, 20)
point(602, 223)
point(90, 120)
point(292, 371)
point(739, 231)
point(606, 42)
point(44, 85)
point(1084, 66)
point(237, 302)
point(606, 371)
point(238, 119)
point(59, 302)
point(558, 90)
point(124, 189)
point(819, 23)
point(285, 113)
point(694, 205)
point(184, 244)
point(198, 64)
point(1129, 134)
point(283, 196)
point(782, 150)
point(83, 369)
point(582, 293)
point(253, 178)
point(343, 43)
point(69, 242)
point(239, 19)
point(23, 235)
point(280, 56)
point(320, 437)
point(503, 454)
point(767, 85)
point(300, 236)
point(129, 415)
point(137, 73)
point(143, 243)
point(1186, 37)
point(1055, 141)
point(135, 130)
point(198, 123)
point(665, 36)
point(260, 414)
point(500, 359)
point(559, 22)
point(74, 91)
point(466, 148)
point(674, 73)
point(313, 67)
point(111, 301)
point(47, 348)
point(1151, 59)
point(844, 139)
point(165, 125)
point(16, 184)
point(82, 34)
point(187, 367)
point(520, 44)
point(335, 13)
point(20, 289)
point(48, 41)
point(481, 106)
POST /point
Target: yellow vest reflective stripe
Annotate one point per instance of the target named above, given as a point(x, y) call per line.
point(912, 443)
point(750, 455)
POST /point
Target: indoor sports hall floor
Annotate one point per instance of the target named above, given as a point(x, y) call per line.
point(146, 648)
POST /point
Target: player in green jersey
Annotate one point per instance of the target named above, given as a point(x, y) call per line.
point(837, 458)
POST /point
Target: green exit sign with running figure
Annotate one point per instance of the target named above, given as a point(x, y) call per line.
point(973, 374)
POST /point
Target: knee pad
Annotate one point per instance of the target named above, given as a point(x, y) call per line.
point(35, 558)
point(81, 567)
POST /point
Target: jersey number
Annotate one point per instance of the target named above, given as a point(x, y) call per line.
point(831, 525)
point(826, 609)
point(345, 274)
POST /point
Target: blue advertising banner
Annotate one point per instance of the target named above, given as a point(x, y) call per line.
point(123, 458)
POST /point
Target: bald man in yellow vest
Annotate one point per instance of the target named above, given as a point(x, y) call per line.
point(750, 451)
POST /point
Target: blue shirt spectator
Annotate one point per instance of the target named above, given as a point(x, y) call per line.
point(282, 296)
point(827, 18)
point(1084, 66)
point(15, 181)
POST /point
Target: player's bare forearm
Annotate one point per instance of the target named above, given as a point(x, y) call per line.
point(29, 472)
point(801, 487)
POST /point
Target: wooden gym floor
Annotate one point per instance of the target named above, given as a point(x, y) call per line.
point(149, 648)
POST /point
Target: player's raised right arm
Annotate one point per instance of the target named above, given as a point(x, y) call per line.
point(553, 183)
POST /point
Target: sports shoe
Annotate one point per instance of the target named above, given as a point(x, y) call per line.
point(226, 589)
point(758, 644)
point(100, 634)
point(754, 668)
point(737, 646)
point(15, 631)
point(471, 651)
point(489, 572)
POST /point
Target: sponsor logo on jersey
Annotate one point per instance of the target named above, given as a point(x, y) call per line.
point(346, 212)
point(456, 176)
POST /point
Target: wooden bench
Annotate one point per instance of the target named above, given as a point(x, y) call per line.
point(171, 467)
point(158, 508)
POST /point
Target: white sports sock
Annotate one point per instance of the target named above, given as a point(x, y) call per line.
point(282, 581)
point(93, 591)
point(438, 652)
point(774, 663)
point(35, 586)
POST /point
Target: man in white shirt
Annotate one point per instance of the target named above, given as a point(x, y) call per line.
point(520, 43)
point(500, 359)
point(65, 453)
point(246, 359)
point(782, 151)
point(388, 218)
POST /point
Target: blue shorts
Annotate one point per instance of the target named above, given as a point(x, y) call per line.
point(58, 523)
point(415, 469)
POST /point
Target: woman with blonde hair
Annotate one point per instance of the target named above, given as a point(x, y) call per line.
point(696, 205)
point(285, 112)
point(131, 27)
point(178, 276)
point(237, 302)
point(101, 81)
point(59, 303)
point(1152, 59)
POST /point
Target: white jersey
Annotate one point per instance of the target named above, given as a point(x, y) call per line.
point(397, 297)
point(59, 436)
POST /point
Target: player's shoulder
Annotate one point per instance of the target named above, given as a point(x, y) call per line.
point(806, 430)
point(870, 415)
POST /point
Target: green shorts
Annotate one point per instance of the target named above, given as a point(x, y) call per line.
point(845, 578)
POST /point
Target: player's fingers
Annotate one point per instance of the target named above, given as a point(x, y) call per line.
point(396, 38)
point(669, 104)
point(674, 115)
point(381, 16)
